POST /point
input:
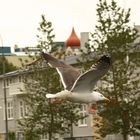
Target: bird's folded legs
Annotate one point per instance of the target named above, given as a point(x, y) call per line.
point(92, 108)
point(56, 101)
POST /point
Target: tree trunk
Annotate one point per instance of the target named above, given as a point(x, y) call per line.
point(125, 118)
point(71, 133)
point(125, 137)
point(52, 121)
point(50, 136)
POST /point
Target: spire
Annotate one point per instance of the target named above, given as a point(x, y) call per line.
point(73, 40)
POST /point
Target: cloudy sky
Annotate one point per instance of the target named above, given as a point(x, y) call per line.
point(19, 19)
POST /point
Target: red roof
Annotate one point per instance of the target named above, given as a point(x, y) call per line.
point(73, 40)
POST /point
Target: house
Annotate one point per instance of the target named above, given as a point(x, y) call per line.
point(16, 108)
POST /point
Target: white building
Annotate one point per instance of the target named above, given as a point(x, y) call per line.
point(16, 108)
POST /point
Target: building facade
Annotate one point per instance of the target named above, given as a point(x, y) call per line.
point(17, 109)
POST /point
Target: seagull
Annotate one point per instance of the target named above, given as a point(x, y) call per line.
point(78, 87)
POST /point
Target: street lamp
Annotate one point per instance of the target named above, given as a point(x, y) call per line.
point(4, 91)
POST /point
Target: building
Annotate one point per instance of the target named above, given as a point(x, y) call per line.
point(16, 108)
point(71, 46)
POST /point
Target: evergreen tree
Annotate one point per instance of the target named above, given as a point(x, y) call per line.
point(45, 117)
point(113, 35)
point(45, 36)
point(8, 66)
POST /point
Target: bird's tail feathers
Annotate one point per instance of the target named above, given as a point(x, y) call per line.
point(50, 95)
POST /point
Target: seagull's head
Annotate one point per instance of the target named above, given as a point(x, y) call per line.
point(99, 97)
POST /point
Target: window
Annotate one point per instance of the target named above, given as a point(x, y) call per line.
point(83, 113)
point(10, 80)
point(20, 78)
point(7, 82)
point(23, 109)
point(10, 110)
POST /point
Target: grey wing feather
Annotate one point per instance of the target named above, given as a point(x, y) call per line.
point(68, 74)
point(53, 61)
point(86, 82)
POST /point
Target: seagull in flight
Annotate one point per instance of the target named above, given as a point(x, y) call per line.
point(78, 87)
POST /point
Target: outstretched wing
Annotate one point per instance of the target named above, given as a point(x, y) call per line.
point(68, 74)
point(86, 82)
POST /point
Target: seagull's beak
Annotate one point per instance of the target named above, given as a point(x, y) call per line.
point(106, 99)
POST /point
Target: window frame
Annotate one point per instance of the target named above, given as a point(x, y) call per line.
point(82, 113)
point(10, 110)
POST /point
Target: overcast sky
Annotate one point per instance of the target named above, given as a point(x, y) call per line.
point(19, 19)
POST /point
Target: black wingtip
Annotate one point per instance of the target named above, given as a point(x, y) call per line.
point(106, 59)
point(45, 56)
point(42, 53)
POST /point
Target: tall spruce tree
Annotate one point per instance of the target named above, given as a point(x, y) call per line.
point(45, 117)
point(113, 35)
point(8, 66)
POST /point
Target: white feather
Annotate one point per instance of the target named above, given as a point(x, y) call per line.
point(61, 77)
point(62, 95)
point(50, 95)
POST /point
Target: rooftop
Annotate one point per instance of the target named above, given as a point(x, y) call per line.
point(73, 40)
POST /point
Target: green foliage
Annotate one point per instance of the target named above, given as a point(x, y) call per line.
point(113, 28)
point(8, 66)
point(113, 35)
point(45, 117)
point(46, 36)
point(11, 135)
point(31, 136)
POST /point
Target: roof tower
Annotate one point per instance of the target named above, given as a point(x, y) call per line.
point(73, 40)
